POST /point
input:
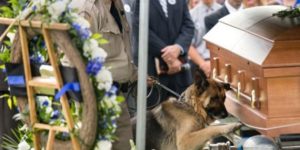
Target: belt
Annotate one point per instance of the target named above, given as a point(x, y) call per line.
point(122, 87)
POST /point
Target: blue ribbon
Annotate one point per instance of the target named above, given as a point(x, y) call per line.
point(17, 80)
point(72, 86)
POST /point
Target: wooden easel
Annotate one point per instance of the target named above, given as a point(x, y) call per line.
point(32, 82)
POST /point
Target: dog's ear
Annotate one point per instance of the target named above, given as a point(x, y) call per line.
point(226, 86)
point(200, 80)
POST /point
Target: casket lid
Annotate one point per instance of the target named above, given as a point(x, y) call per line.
point(256, 35)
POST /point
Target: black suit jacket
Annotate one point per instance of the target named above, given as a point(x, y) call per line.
point(177, 28)
point(212, 19)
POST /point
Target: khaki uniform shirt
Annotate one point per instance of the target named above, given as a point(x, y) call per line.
point(119, 58)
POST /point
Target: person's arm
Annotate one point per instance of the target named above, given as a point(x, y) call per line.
point(187, 31)
point(182, 42)
point(195, 56)
point(198, 60)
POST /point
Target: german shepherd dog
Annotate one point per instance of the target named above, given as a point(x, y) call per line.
point(183, 124)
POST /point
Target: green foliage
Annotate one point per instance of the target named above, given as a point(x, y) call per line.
point(11, 11)
point(20, 134)
point(14, 9)
point(5, 55)
point(99, 38)
point(2, 67)
point(11, 101)
point(10, 142)
point(291, 13)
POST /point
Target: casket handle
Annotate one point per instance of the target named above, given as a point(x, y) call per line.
point(216, 67)
point(255, 103)
point(241, 82)
point(227, 77)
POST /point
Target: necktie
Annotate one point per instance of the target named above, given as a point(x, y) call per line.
point(164, 6)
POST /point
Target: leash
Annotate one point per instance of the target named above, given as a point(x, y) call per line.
point(166, 88)
point(156, 85)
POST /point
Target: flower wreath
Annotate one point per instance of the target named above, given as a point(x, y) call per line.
point(59, 11)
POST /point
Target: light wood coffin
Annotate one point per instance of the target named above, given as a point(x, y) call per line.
point(259, 55)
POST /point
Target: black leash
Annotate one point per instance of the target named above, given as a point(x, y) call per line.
point(133, 87)
point(166, 88)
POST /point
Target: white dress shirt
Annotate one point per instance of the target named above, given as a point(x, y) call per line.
point(232, 9)
point(198, 13)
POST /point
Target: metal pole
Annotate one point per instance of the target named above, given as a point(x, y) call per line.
point(142, 77)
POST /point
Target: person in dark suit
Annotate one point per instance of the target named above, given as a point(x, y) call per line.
point(171, 30)
point(230, 6)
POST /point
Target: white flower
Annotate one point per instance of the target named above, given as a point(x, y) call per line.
point(98, 53)
point(104, 145)
point(23, 145)
point(88, 46)
point(78, 125)
point(11, 36)
point(19, 116)
point(91, 48)
point(56, 9)
point(43, 101)
point(80, 20)
point(49, 110)
point(104, 79)
point(108, 103)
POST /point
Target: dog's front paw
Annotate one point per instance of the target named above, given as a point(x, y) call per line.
point(231, 127)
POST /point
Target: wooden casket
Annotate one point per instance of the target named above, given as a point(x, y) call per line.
point(259, 55)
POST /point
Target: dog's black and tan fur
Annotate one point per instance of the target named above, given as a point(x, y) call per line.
point(181, 124)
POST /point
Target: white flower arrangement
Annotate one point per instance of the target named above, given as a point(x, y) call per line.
point(103, 145)
point(23, 145)
point(58, 11)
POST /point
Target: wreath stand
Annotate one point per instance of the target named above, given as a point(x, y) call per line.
point(54, 33)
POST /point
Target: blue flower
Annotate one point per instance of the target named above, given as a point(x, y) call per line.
point(65, 135)
point(55, 114)
point(94, 66)
point(43, 44)
point(35, 38)
point(102, 138)
point(36, 59)
point(34, 8)
point(45, 103)
point(114, 122)
point(84, 33)
point(113, 91)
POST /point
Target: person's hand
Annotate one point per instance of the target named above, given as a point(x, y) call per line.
point(170, 53)
point(205, 66)
point(150, 81)
point(174, 66)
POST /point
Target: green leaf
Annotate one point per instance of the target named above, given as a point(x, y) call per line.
point(4, 96)
point(96, 36)
point(5, 56)
point(2, 66)
point(102, 41)
point(15, 102)
point(120, 99)
point(9, 103)
point(7, 42)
